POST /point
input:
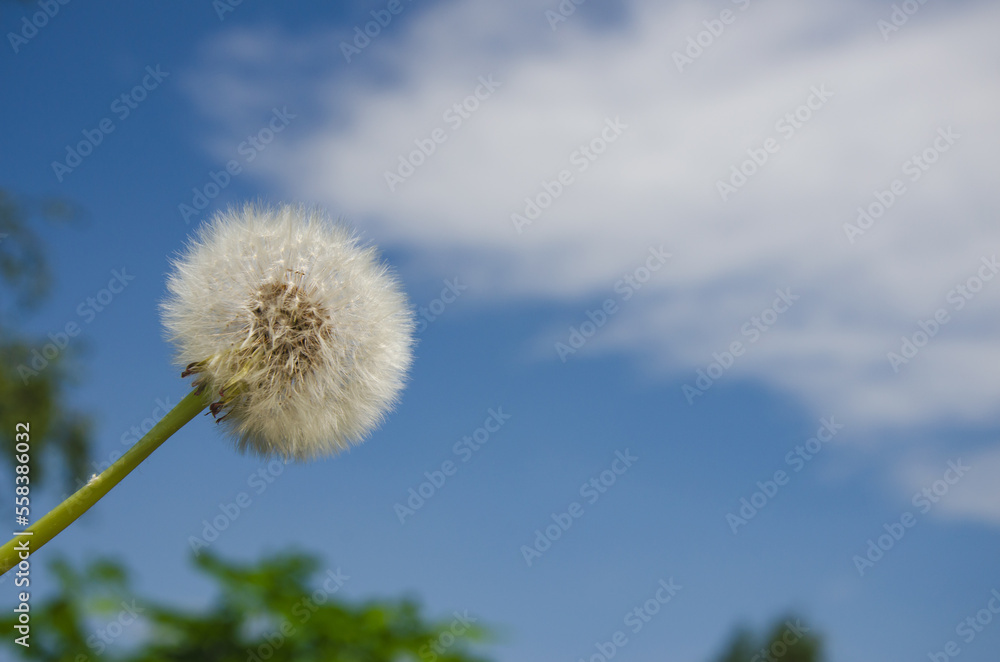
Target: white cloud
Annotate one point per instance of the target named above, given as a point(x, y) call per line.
point(963, 486)
point(656, 185)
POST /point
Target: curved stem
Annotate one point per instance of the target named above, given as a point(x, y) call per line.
point(45, 529)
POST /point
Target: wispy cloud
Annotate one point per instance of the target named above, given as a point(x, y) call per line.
point(845, 112)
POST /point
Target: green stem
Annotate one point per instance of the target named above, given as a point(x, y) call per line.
point(66, 513)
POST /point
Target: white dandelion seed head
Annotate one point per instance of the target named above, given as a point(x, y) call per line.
point(298, 334)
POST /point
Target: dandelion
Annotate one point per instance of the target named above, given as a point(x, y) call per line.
point(297, 337)
point(300, 334)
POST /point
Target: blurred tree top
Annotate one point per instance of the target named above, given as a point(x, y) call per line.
point(788, 640)
point(57, 432)
point(282, 608)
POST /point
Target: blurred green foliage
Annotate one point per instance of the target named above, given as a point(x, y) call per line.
point(788, 640)
point(58, 434)
point(283, 608)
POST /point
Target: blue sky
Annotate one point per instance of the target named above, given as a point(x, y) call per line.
point(738, 215)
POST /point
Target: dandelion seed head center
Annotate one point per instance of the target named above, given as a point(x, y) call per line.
point(287, 328)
